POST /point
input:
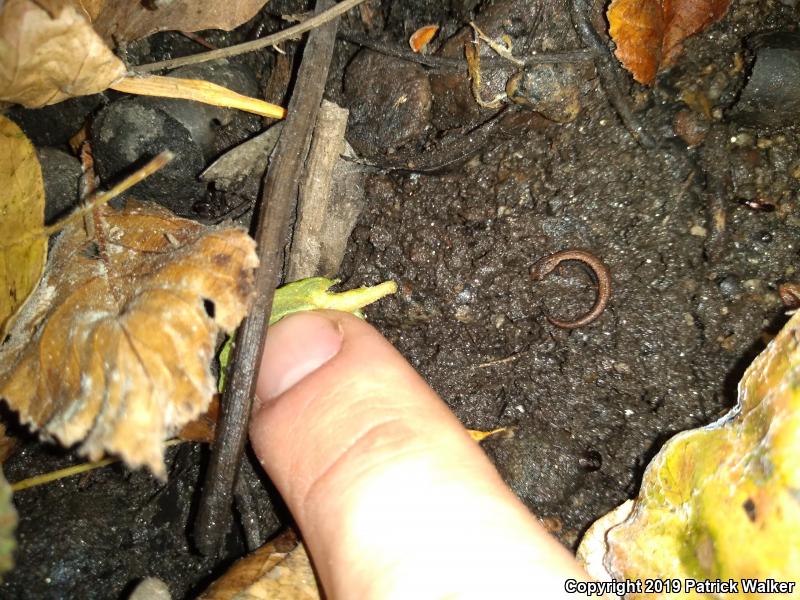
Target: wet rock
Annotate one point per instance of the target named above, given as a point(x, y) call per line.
point(771, 97)
point(241, 169)
point(204, 121)
point(61, 173)
point(133, 129)
point(550, 90)
point(389, 101)
point(453, 102)
point(543, 465)
point(54, 125)
point(127, 133)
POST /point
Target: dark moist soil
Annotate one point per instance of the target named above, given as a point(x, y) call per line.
point(586, 409)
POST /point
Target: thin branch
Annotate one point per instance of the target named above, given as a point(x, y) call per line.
point(278, 200)
point(448, 63)
point(270, 40)
point(612, 80)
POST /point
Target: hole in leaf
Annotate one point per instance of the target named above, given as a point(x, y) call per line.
point(209, 307)
point(91, 250)
point(750, 508)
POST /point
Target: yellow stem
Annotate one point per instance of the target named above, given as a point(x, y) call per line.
point(70, 471)
point(197, 90)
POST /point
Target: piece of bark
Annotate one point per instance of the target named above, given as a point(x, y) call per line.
point(347, 201)
point(310, 229)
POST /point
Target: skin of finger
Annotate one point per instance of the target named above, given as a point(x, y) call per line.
point(392, 496)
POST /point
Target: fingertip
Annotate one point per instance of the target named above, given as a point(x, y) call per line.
point(295, 347)
point(370, 461)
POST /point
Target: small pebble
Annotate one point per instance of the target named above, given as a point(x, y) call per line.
point(743, 140)
point(691, 127)
point(730, 286)
point(389, 100)
point(150, 588)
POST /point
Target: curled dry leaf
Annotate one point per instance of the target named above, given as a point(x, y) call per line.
point(279, 570)
point(649, 34)
point(123, 21)
point(115, 345)
point(21, 208)
point(422, 36)
point(49, 52)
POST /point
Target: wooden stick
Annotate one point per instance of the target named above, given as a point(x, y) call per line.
point(450, 63)
point(277, 205)
point(287, 34)
point(315, 191)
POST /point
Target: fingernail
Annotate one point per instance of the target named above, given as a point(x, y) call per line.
point(296, 346)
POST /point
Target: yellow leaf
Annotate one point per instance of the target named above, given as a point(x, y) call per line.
point(422, 36)
point(21, 210)
point(49, 52)
point(720, 501)
point(479, 436)
point(115, 346)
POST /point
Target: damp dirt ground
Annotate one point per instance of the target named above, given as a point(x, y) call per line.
point(584, 409)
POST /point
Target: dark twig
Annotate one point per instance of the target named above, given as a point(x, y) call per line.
point(447, 63)
point(277, 204)
point(612, 79)
point(447, 152)
point(290, 33)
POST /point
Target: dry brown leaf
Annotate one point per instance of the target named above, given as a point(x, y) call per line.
point(649, 34)
point(684, 18)
point(637, 28)
point(49, 52)
point(203, 428)
point(279, 570)
point(8, 444)
point(115, 345)
point(120, 21)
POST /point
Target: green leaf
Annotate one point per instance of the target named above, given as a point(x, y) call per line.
point(311, 294)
